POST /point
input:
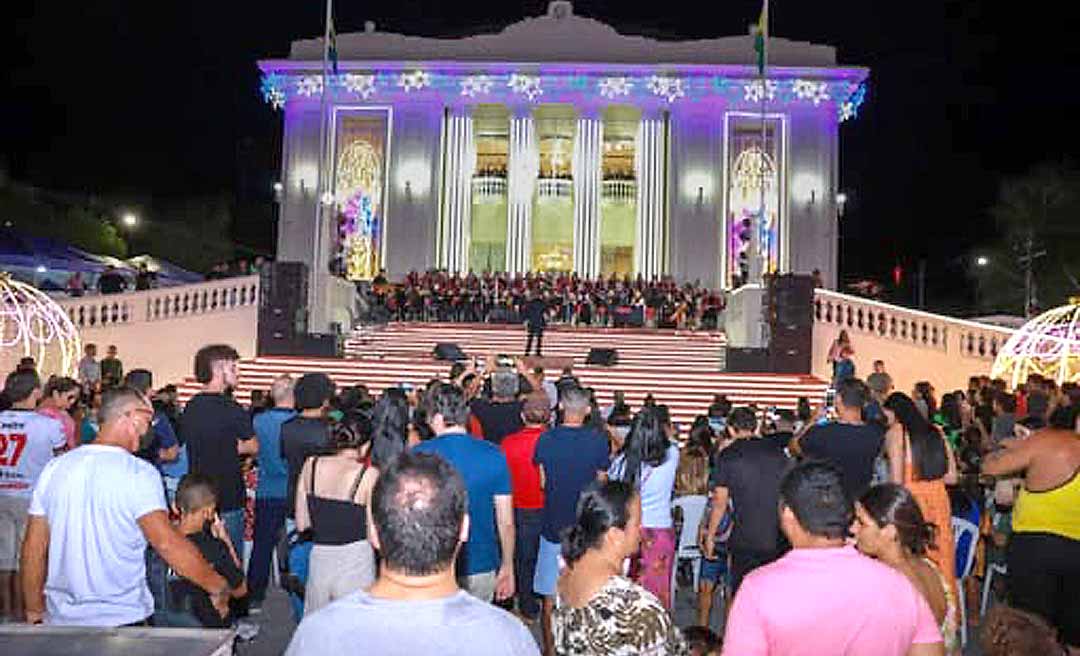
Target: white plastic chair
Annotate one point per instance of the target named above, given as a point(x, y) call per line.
point(966, 560)
point(693, 510)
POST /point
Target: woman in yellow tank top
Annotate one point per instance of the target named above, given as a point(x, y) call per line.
point(1044, 552)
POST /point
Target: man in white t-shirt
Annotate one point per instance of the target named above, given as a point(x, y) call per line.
point(91, 515)
point(28, 442)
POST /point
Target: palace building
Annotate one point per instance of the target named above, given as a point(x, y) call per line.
point(560, 144)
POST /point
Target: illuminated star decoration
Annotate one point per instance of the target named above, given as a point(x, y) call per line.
point(309, 85)
point(815, 92)
point(849, 109)
point(362, 85)
point(612, 87)
point(752, 91)
point(414, 81)
point(475, 85)
point(526, 85)
point(272, 90)
point(668, 88)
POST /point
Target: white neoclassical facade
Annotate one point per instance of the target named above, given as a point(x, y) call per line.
point(560, 144)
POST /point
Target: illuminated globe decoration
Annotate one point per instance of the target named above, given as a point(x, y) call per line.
point(32, 324)
point(1048, 345)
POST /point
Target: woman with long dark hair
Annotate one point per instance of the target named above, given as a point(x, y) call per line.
point(332, 496)
point(648, 461)
point(921, 460)
point(890, 527)
point(598, 611)
point(57, 400)
point(390, 426)
point(692, 475)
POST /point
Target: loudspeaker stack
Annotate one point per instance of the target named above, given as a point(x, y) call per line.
point(283, 299)
point(789, 311)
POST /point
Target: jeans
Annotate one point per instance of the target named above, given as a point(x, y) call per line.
point(234, 524)
point(269, 527)
point(526, 545)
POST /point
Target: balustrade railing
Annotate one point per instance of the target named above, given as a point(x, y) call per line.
point(923, 329)
point(619, 190)
point(161, 304)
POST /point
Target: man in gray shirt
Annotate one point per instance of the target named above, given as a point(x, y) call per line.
point(417, 521)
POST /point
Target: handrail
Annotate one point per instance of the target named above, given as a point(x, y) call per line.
point(163, 304)
point(915, 327)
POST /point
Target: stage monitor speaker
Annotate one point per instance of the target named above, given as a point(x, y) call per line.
point(746, 360)
point(449, 351)
point(604, 357)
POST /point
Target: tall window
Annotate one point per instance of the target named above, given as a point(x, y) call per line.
point(618, 198)
point(491, 130)
point(359, 192)
point(553, 203)
point(754, 175)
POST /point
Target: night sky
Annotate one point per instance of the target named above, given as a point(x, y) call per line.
point(119, 96)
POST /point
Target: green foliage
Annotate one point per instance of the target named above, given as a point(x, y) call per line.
point(30, 213)
point(1037, 212)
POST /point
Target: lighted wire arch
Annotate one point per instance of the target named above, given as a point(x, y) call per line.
point(32, 324)
point(1048, 345)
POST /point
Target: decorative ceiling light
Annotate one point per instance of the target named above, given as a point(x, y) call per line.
point(754, 92)
point(309, 85)
point(476, 85)
point(815, 92)
point(613, 87)
point(362, 85)
point(414, 81)
point(525, 85)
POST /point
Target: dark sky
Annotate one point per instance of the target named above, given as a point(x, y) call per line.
point(162, 98)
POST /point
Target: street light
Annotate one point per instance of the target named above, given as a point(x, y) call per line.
point(130, 220)
point(982, 261)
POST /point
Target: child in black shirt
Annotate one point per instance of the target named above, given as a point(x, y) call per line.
point(196, 501)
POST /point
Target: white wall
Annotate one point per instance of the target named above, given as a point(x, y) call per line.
point(161, 330)
point(952, 351)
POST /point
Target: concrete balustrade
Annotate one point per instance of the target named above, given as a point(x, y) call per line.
point(161, 329)
point(915, 345)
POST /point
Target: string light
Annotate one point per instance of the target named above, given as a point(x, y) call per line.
point(475, 85)
point(362, 85)
point(526, 85)
point(613, 87)
point(32, 324)
point(669, 88)
point(1048, 345)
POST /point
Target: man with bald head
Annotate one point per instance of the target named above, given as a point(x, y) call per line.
point(92, 513)
point(272, 490)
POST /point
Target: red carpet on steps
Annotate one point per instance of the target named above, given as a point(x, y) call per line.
point(679, 368)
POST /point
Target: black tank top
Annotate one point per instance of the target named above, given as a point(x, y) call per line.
point(334, 521)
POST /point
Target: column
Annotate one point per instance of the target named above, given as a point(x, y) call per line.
point(455, 228)
point(588, 147)
point(524, 166)
point(650, 165)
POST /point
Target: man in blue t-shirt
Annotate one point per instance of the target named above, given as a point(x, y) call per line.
point(570, 457)
point(271, 491)
point(488, 568)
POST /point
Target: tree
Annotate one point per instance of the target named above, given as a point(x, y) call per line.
point(1035, 257)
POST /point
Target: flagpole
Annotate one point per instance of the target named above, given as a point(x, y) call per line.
point(325, 167)
point(757, 260)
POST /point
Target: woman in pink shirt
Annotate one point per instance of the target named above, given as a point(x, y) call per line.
point(59, 395)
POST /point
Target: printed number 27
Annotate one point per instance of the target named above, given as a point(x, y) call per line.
point(15, 443)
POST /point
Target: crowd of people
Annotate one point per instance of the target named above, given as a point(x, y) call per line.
point(498, 511)
point(569, 299)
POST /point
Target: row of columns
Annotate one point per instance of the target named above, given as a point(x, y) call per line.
point(523, 168)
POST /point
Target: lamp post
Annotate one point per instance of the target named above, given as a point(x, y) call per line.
point(130, 220)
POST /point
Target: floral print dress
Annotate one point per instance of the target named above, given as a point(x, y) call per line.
point(622, 619)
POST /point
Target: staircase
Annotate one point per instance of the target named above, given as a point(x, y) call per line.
point(679, 368)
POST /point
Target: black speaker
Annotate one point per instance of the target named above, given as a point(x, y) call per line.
point(283, 283)
point(790, 356)
point(318, 345)
point(605, 357)
point(449, 351)
point(790, 303)
point(746, 360)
